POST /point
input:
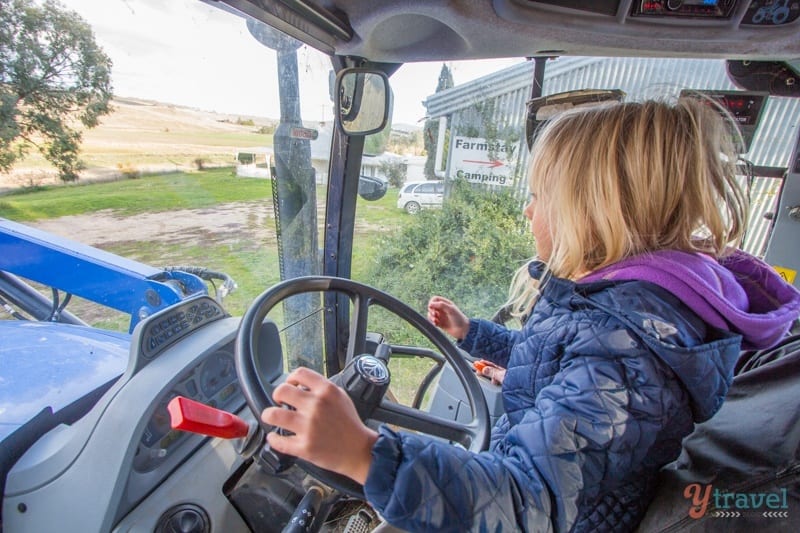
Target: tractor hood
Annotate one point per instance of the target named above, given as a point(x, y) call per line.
point(49, 364)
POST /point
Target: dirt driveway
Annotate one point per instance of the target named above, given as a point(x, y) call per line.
point(184, 226)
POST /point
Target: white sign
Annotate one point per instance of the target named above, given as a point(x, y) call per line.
point(480, 161)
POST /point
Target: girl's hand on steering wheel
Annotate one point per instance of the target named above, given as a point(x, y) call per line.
point(323, 413)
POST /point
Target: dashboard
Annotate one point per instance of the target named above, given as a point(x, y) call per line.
point(212, 382)
point(121, 463)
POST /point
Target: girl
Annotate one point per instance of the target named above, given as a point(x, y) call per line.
point(630, 339)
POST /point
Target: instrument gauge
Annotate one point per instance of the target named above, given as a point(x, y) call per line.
point(152, 450)
point(217, 371)
point(159, 424)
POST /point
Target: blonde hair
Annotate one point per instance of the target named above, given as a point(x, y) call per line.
point(522, 293)
point(630, 178)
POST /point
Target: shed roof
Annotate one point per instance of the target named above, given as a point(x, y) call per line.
point(640, 78)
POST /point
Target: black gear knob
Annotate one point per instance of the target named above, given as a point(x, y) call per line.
point(365, 379)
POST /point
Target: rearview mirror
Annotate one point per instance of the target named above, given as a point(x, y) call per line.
point(363, 101)
point(541, 109)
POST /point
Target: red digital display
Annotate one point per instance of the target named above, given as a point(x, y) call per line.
point(743, 107)
point(683, 8)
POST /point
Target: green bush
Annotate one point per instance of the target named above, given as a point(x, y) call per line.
point(467, 251)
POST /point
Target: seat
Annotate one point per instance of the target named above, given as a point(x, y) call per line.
point(740, 470)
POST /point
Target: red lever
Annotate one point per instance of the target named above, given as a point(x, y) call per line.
point(196, 417)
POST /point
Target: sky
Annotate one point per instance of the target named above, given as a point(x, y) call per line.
point(186, 52)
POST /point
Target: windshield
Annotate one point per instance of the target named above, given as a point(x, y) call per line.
point(215, 158)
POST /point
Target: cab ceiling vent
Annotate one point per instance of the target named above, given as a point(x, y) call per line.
point(601, 7)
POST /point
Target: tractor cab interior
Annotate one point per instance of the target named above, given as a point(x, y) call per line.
point(162, 434)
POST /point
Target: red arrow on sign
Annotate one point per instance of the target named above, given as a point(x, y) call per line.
point(490, 164)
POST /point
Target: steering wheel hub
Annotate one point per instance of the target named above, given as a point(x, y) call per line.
point(372, 369)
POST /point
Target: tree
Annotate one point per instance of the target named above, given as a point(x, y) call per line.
point(395, 170)
point(53, 75)
point(431, 130)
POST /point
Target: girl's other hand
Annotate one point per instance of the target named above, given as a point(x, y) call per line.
point(492, 371)
point(445, 315)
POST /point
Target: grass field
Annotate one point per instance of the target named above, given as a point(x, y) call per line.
point(130, 196)
point(248, 254)
point(172, 191)
point(139, 134)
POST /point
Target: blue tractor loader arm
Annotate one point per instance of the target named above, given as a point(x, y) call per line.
point(51, 358)
point(90, 273)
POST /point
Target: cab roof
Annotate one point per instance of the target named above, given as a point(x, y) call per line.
point(403, 31)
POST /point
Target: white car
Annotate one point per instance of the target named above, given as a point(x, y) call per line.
point(416, 195)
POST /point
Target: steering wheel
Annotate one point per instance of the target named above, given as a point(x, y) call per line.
point(473, 434)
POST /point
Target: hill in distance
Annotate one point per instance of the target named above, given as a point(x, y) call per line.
point(148, 115)
point(145, 136)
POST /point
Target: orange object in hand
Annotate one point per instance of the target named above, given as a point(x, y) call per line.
point(480, 365)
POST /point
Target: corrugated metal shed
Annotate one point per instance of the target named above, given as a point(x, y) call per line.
point(499, 99)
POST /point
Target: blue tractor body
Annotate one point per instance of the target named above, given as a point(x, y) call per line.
point(53, 365)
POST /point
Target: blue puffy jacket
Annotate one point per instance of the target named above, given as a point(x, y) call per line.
point(603, 382)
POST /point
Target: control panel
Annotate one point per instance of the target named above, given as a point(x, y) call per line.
point(213, 382)
point(744, 108)
point(771, 12)
point(744, 13)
